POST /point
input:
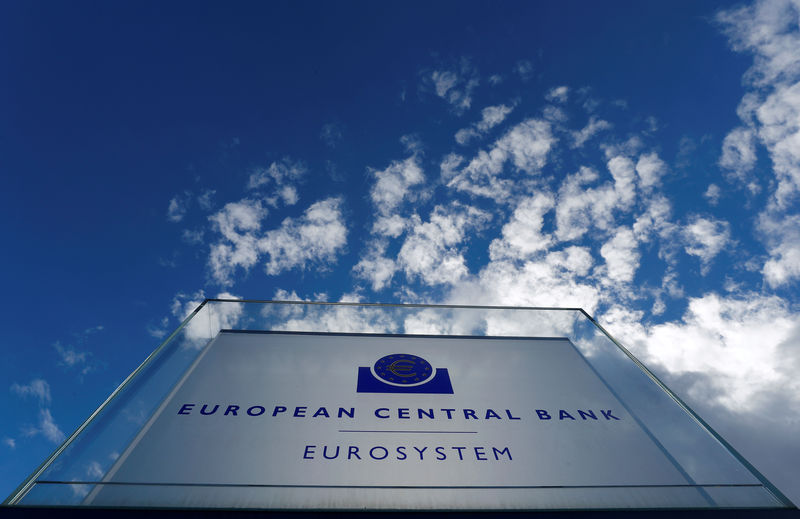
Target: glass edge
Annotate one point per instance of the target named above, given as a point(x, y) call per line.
point(396, 305)
point(28, 483)
point(710, 430)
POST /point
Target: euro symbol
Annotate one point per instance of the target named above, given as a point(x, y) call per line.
point(402, 368)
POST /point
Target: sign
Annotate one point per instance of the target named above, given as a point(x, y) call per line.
point(303, 420)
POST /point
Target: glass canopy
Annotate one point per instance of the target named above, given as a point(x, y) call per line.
point(301, 405)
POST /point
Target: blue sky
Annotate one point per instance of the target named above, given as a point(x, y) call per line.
point(636, 159)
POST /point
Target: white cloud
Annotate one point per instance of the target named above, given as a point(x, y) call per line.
point(37, 388)
point(375, 267)
point(47, 427)
point(316, 237)
point(592, 128)
point(550, 281)
point(579, 207)
point(393, 184)
point(622, 169)
point(430, 253)
point(177, 207)
point(390, 226)
point(491, 116)
point(526, 145)
point(732, 350)
point(237, 222)
point(455, 85)
point(341, 319)
point(558, 94)
point(650, 169)
point(95, 471)
point(770, 111)
point(159, 331)
point(208, 321)
point(193, 237)
point(10, 442)
point(705, 238)
point(524, 69)
point(206, 200)
point(621, 255)
point(284, 295)
point(522, 235)
point(770, 115)
point(71, 357)
point(655, 220)
point(278, 181)
point(738, 153)
point(713, 194)
point(782, 235)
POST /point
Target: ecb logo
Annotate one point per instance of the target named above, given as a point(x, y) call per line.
point(403, 373)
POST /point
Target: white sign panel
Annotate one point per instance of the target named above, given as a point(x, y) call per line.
point(400, 415)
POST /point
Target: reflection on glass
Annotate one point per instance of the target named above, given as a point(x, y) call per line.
point(709, 472)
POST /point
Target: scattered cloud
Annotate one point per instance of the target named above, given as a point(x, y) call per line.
point(526, 146)
point(713, 194)
point(331, 134)
point(46, 427)
point(206, 199)
point(522, 235)
point(455, 84)
point(37, 388)
point(375, 267)
point(650, 169)
point(782, 236)
point(193, 237)
point(316, 237)
point(524, 69)
point(557, 94)
point(277, 181)
point(178, 206)
point(592, 128)
point(11, 443)
point(430, 251)
point(205, 325)
point(392, 185)
point(621, 255)
point(729, 350)
point(238, 223)
point(739, 154)
point(491, 116)
point(705, 238)
point(70, 357)
point(159, 331)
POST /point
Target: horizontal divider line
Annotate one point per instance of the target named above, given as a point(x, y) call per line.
point(419, 432)
point(124, 483)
